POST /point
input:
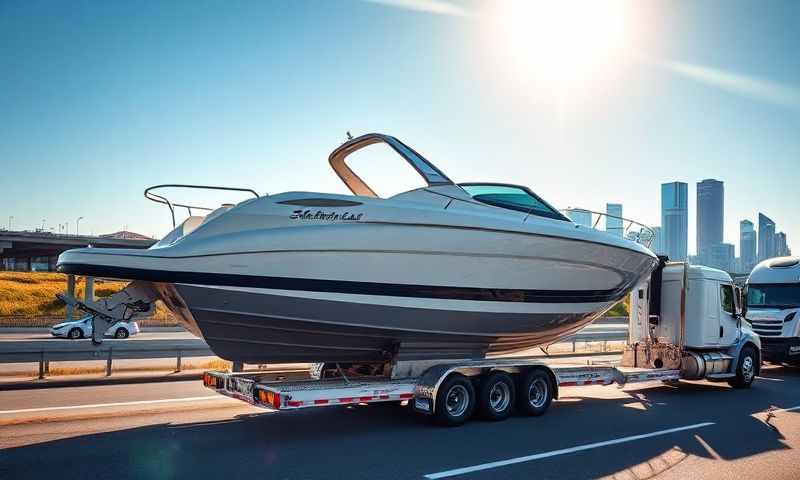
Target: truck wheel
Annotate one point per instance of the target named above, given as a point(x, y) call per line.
point(121, 333)
point(496, 396)
point(455, 401)
point(746, 369)
point(535, 393)
point(75, 334)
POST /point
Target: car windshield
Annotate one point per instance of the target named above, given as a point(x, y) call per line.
point(777, 295)
point(511, 197)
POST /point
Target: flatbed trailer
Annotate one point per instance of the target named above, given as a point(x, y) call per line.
point(449, 391)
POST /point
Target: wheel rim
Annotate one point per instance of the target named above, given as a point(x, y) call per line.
point(121, 334)
point(747, 368)
point(457, 400)
point(74, 334)
point(537, 393)
point(499, 397)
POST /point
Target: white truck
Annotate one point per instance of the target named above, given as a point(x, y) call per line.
point(685, 323)
point(773, 307)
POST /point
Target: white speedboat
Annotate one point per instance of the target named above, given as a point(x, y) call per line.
point(442, 271)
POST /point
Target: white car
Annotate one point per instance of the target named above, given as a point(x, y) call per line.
point(83, 329)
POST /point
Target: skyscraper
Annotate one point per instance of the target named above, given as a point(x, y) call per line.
point(720, 255)
point(710, 215)
point(614, 225)
point(657, 244)
point(747, 245)
point(781, 248)
point(675, 219)
point(580, 216)
point(766, 237)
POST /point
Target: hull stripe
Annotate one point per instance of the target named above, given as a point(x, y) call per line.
point(352, 287)
point(344, 286)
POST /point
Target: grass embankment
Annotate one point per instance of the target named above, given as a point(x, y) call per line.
point(29, 299)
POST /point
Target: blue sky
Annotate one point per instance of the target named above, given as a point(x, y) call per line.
point(99, 100)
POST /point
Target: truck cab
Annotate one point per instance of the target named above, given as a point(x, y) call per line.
point(772, 294)
point(689, 317)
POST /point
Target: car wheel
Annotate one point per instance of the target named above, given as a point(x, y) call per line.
point(75, 334)
point(121, 333)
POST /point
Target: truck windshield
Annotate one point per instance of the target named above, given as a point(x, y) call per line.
point(784, 295)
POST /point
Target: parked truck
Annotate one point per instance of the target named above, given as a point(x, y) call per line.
point(773, 303)
point(685, 324)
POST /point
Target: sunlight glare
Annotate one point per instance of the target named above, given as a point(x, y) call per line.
point(560, 44)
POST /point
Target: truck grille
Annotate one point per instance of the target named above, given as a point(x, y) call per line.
point(767, 328)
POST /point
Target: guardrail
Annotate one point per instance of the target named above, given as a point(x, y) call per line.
point(34, 352)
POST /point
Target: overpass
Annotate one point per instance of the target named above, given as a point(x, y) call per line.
point(27, 251)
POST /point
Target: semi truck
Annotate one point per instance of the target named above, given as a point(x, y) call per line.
point(773, 308)
point(685, 324)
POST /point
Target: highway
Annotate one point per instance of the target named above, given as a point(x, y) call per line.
point(182, 430)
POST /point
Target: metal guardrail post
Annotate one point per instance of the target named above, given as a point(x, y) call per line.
point(41, 366)
point(574, 344)
point(108, 362)
point(178, 363)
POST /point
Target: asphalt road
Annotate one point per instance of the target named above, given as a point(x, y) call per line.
point(181, 430)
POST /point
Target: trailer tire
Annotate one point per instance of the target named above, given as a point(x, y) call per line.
point(535, 392)
point(496, 396)
point(746, 369)
point(455, 401)
point(75, 334)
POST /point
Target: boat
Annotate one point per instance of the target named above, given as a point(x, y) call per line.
point(442, 271)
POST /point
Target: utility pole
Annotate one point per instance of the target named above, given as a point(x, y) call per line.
point(78, 226)
point(43, 220)
point(66, 227)
point(10, 217)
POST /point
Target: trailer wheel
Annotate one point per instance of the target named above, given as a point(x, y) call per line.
point(496, 396)
point(746, 369)
point(455, 401)
point(535, 393)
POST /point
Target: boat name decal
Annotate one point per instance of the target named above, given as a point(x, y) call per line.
point(325, 216)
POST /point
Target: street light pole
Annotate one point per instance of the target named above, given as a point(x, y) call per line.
point(10, 217)
point(43, 220)
point(78, 226)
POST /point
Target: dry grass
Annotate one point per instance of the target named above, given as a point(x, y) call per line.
point(29, 298)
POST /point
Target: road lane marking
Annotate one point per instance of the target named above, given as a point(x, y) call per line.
point(118, 404)
point(770, 379)
point(790, 409)
point(563, 451)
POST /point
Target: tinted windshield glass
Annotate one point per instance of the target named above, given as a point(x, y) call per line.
point(512, 198)
point(778, 295)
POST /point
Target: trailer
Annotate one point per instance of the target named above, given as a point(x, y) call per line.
point(685, 324)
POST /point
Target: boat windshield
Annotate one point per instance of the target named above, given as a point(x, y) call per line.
point(512, 197)
point(783, 295)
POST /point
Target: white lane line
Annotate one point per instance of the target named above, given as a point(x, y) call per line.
point(563, 451)
point(118, 404)
point(790, 409)
point(770, 379)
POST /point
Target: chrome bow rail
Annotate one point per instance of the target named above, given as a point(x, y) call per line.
point(148, 194)
point(638, 232)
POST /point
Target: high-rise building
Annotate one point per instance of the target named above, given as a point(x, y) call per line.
point(781, 248)
point(657, 244)
point(614, 220)
point(580, 216)
point(766, 237)
point(747, 245)
point(721, 255)
point(710, 215)
point(675, 219)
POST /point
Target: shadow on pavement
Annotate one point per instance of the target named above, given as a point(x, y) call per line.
point(387, 441)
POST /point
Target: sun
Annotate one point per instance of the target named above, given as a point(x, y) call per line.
point(560, 44)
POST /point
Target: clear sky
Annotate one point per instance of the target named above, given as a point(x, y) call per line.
point(584, 102)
